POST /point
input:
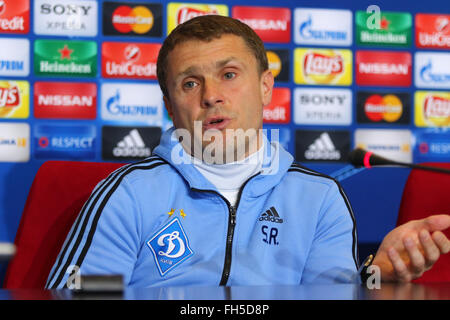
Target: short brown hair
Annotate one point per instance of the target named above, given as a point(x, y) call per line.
point(207, 28)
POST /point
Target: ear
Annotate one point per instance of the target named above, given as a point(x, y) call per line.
point(267, 82)
point(168, 106)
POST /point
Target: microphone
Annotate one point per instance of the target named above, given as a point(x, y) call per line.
point(363, 158)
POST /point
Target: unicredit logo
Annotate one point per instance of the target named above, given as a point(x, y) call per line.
point(14, 16)
point(132, 52)
point(320, 64)
point(279, 110)
point(186, 13)
point(433, 31)
point(135, 60)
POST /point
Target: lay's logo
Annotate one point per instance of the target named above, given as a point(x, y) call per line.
point(179, 13)
point(323, 66)
point(14, 99)
point(432, 109)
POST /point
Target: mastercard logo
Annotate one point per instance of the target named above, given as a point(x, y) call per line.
point(274, 63)
point(388, 108)
point(138, 19)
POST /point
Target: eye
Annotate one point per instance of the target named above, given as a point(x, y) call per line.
point(230, 75)
point(189, 85)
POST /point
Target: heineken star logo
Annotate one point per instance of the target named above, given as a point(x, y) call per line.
point(384, 23)
point(65, 52)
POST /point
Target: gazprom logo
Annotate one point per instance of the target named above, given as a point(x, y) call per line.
point(115, 107)
point(432, 70)
point(308, 32)
point(323, 27)
point(132, 102)
point(427, 75)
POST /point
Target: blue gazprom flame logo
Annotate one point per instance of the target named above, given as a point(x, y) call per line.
point(307, 32)
point(115, 107)
point(427, 75)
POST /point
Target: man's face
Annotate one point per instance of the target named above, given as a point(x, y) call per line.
point(218, 84)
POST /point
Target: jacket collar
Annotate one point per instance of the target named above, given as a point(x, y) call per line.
point(275, 165)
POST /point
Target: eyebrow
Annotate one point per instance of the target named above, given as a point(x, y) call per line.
point(194, 69)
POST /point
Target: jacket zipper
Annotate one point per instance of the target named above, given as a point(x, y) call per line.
point(230, 233)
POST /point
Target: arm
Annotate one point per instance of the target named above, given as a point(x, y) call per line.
point(412, 248)
point(104, 239)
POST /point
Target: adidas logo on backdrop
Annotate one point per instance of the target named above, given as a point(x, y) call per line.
point(132, 145)
point(323, 149)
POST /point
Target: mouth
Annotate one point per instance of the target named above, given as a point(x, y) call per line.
point(218, 123)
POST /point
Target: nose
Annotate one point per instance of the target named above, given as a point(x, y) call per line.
point(212, 94)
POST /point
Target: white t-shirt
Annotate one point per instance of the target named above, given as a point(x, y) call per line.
point(228, 178)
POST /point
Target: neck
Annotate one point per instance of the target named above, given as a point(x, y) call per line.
point(238, 145)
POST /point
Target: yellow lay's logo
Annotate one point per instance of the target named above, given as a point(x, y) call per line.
point(432, 109)
point(14, 99)
point(177, 13)
point(323, 66)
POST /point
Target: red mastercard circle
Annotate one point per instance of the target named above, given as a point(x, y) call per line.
point(374, 107)
point(120, 18)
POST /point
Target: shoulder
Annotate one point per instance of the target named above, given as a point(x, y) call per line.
point(150, 167)
point(301, 173)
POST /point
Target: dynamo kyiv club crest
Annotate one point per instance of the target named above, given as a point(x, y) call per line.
point(170, 246)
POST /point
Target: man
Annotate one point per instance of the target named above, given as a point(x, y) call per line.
point(217, 203)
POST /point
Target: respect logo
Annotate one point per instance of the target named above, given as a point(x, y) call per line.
point(177, 13)
point(323, 66)
point(14, 99)
point(432, 109)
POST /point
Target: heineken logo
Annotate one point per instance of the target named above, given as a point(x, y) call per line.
point(393, 29)
point(65, 58)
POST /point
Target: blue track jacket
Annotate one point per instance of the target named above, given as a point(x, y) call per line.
point(163, 224)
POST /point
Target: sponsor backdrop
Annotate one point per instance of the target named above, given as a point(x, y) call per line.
point(78, 82)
